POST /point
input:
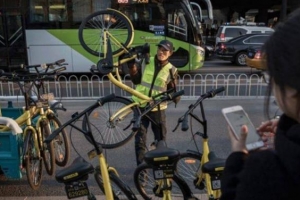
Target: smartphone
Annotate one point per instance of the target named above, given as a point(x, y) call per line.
point(236, 117)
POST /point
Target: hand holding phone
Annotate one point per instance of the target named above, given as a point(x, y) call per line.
point(236, 117)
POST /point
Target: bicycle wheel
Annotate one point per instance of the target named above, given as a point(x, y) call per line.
point(119, 188)
point(118, 27)
point(47, 149)
point(187, 167)
point(148, 188)
point(115, 133)
point(33, 164)
point(61, 142)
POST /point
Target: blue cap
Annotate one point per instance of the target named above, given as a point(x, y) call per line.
point(166, 44)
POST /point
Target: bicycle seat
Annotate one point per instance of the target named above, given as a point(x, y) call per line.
point(78, 170)
point(162, 155)
point(214, 165)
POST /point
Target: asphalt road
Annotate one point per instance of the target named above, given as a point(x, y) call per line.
point(123, 158)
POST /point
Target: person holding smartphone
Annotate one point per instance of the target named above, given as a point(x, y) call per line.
point(274, 173)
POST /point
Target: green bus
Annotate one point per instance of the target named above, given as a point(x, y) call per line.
point(41, 31)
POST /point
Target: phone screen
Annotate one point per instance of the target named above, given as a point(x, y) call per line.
point(239, 118)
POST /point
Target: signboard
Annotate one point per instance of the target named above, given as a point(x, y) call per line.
point(157, 29)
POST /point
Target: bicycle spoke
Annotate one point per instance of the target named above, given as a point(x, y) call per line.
point(102, 25)
point(111, 133)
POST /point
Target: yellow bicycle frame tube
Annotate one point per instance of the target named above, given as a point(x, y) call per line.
point(215, 193)
point(123, 112)
point(105, 178)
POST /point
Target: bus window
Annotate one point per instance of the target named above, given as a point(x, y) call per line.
point(143, 15)
point(47, 11)
point(177, 25)
point(82, 8)
point(161, 8)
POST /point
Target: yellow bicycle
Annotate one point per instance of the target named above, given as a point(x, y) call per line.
point(157, 177)
point(34, 150)
point(37, 121)
point(74, 176)
point(200, 170)
point(108, 34)
point(194, 170)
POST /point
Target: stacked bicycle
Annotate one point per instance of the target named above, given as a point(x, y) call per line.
point(38, 120)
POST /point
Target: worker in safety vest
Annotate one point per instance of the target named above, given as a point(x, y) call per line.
point(157, 76)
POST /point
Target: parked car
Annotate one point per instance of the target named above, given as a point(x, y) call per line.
point(255, 58)
point(227, 32)
point(235, 50)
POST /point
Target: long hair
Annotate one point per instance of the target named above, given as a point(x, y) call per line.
point(282, 52)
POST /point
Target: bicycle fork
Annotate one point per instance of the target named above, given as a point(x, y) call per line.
point(30, 130)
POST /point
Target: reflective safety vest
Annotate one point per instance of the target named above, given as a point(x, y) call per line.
point(160, 83)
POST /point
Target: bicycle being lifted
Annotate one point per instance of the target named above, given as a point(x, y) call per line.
point(109, 34)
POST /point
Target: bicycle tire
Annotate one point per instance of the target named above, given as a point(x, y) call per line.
point(33, 164)
point(61, 142)
point(110, 134)
point(93, 26)
point(47, 149)
point(187, 167)
point(119, 188)
point(146, 184)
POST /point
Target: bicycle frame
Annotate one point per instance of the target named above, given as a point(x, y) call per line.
point(205, 176)
point(123, 112)
point(118, 81)
point(166, 168)
point(97, 151)
point(205, 152)
point(212, 194)
point(165, 183)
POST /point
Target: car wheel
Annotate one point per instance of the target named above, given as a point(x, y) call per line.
point(240, 58)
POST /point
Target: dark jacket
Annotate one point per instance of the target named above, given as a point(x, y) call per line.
point(267, 174)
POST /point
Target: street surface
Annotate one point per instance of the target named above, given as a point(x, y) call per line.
point(123, 158)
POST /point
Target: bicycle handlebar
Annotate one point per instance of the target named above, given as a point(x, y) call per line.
point(32, 77)
point(184, 118)
point(167, 96)
point(98, 102)
point(26, 68)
